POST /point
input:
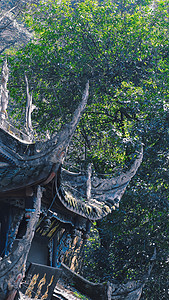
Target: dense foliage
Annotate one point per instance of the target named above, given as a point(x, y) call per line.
point(121, 47)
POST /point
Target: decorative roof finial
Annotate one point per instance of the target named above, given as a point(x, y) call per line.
point(29, 108)
point(89, 175)
point(4, 91)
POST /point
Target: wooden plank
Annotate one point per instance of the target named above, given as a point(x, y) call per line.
point(40, 281)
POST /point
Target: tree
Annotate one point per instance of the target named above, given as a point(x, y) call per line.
point(123, 50)
point(12, 30)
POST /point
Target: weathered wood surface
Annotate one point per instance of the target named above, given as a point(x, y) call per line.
point(131, 290)
point(12, 267)
point(105, 194)
point(102, 291)
point(30, 164)
point(24, 164)
point(93, 290)
point(40, 281)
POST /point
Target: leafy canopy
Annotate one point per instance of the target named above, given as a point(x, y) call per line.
point(122, 48)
